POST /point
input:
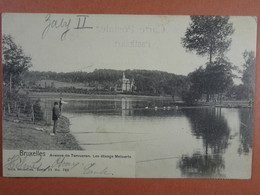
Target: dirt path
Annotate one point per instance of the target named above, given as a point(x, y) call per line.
point(26, 135)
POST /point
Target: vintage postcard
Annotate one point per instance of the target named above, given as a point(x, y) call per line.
point(132, 96)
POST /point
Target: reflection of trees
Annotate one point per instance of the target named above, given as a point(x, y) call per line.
point(94, 106)
point(199, 165)
point(158, 113)
point(246, 130)
point(209, 125)
point(119, 106)
point(122, 106)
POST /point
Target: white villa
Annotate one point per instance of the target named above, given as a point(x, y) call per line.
point(127, 85)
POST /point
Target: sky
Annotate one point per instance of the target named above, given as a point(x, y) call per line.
point(71, 42)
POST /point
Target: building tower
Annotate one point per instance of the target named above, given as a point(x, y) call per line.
point(126, 86)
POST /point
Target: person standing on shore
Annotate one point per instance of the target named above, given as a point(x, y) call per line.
point(55, 116)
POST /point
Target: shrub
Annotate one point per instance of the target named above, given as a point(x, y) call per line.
point(38, 113)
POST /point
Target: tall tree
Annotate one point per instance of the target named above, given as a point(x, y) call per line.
point(248, 77)
point(208, 35)
point(14, 61)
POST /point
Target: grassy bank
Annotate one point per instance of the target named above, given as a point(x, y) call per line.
point(23, 134)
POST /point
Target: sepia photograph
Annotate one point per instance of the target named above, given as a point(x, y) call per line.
point(148, 96)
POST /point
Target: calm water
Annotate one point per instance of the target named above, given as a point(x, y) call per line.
point(169, 143)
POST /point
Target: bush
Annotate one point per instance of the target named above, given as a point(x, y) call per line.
point(38, 113)
point(188, 98)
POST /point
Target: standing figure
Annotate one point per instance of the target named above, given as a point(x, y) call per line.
point(55, 116)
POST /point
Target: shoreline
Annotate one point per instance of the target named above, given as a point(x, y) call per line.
point(101, 96)
point(21, 134)
point(76, 96)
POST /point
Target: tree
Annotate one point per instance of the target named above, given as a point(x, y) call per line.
point(208, 35)
point(218, 77)
point(15, 62)
point(197, 79)
point(248, 77)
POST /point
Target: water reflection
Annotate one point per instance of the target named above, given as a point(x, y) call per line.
point(105, 107)
point(200, 165)
point(121, 106)
point(246, 133)
point(205, 142)
point(209, 125)
point(127, 107)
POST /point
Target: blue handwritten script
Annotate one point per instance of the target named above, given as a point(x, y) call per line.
point(64, 24)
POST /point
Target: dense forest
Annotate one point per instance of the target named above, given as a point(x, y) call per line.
point(146, 81)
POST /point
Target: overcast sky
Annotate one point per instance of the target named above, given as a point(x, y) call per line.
point(116, 41)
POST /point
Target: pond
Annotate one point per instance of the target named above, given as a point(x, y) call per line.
point(169, 141)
